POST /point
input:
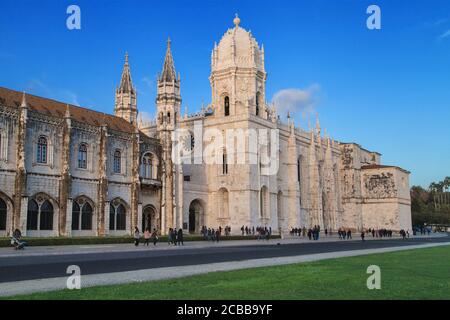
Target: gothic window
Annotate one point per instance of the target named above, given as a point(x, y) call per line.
point(3, 212)
point(298, 170)
point(86, 216)
point(42, 148)
point(32, 215)
point(223, 203)
point(117, 217)
point(227, 106)
point(81, 211)
point(168, 117)
point(46, 216)
point(121, 217)
point(263, 202)
point(224, 162)
point(82, 156)
point(257, 103)
point(117, 161)
point(148, 166)
point(75, 216)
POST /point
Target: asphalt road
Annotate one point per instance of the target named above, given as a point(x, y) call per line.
point(49, 266)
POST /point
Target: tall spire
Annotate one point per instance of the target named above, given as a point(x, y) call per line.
point(126, 85)
point(125, 102)
point(168, 72)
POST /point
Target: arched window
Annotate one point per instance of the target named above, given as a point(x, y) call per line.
point(280, 205)
point(82, 156)
point(121, 217)
point(224, 162)
point(263, 202)
point(226, 106)
point(75, 216)
point(46, 216)
point(81, 212)
point(117, 161)
point(42, 148)
point(32, 215)
point(86, 217)
point(149, 166)
point(168, 117)
point(257, 103)
point(3, 212)
point(223, 203)
point(117, 217)
point(298, 170)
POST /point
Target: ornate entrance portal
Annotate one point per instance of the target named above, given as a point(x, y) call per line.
point(149, 219)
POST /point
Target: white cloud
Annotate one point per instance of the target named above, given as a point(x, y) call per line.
point(444, 35)
point(297, 101)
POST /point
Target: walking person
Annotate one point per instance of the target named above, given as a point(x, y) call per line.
point(217, 235)
point(174, 236)
point(155, 237)
point(180, 237)
point(362, 235)
point(136, 236)
point(146, 237)
point(169, 237)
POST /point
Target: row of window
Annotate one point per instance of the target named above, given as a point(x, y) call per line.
point(148, 168)
point(226, 104)
point(42, 157)
point(40, 216)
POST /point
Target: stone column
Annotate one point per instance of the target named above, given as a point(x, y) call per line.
point(180, 196)
point(139, 217)
point(23, 212)
point(106, 218)
point(103, 181)
point(135, 184)
point(68, 224)
point(20, 182)
point(65, 181)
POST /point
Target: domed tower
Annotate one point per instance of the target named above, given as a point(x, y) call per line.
point(238, 75)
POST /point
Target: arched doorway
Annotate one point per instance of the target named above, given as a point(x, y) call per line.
point(149, 219)
point(196, 214)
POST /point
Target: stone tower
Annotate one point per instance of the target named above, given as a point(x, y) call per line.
point(168, 102)
point(126, 104)
point(238, 75)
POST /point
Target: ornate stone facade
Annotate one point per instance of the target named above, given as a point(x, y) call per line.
point(70, 171)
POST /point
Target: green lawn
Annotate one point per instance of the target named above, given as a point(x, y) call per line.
point(410, 274)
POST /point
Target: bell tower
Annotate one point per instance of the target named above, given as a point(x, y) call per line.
point(168, 102)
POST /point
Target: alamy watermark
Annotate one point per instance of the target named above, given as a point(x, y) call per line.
point(74, 280)
point(374, 280)
point(374, 20)
point(73, 22)
point(211, 146)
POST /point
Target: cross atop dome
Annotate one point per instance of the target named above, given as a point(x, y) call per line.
point(236, 20)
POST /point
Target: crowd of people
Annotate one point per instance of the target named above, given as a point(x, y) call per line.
point(211, 234)
point(260, 232)
point(344, 234)
point(147, 236)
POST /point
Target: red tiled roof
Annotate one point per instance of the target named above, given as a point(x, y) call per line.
point(13, 99)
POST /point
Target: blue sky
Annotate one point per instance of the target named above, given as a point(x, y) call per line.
point(387, 89)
